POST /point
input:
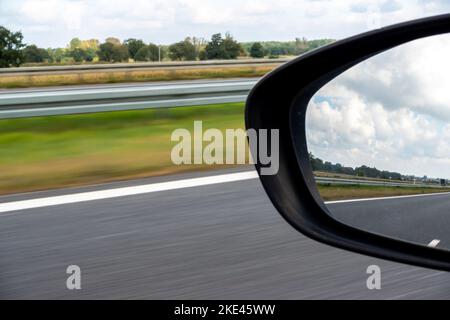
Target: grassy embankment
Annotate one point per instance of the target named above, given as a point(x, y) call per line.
point(62, 151)
point(104, 77)
point(53, 152)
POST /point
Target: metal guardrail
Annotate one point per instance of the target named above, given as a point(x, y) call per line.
point(136, 66)
point(340, 181)
point(20, 104)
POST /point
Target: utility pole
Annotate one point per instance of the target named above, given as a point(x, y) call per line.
point(159, 53)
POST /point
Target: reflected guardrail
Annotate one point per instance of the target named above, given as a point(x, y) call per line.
point(342, 181)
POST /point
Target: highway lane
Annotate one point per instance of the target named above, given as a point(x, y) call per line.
point(222, 241)
point(416, 219)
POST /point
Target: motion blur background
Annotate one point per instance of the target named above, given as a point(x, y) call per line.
point(221, 241)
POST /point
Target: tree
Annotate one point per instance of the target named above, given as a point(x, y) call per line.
point(134, 46)
point(120, 53)
point(183, 50)
point(83, 50)
point(257, 50)
point(34, 54)
point(203, 55)
point(318, 164)
point(78, 54)
point(219, 48)
point(232, 48)
point(112, 53)
point(148, 53)
point(214, 49)
point(75, 43)
point(90, 44)
point(105, 51)
point(90, 54)
point(199, 44)
point(10, 48)
point(301, 45)
point(113, 41)
point(57, 55)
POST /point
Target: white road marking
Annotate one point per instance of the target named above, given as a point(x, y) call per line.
point(155, 187)
point(127, 191)
point(387, 198)
point(434, 243)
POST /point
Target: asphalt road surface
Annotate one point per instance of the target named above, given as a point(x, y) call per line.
point(221, 241)
point(420, 219)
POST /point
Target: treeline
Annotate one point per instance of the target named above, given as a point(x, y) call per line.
point(283, 48)
point(13, 52)
point(363, 171)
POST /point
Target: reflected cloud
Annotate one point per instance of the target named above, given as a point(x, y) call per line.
point(390, 112)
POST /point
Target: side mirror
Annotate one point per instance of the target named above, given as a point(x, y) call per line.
point(281, 101)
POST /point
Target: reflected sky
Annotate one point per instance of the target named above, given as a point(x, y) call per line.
point(391, 112)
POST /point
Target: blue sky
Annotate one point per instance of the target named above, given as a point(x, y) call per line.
point(54, 22)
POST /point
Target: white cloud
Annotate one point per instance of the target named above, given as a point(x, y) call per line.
point(55, 22)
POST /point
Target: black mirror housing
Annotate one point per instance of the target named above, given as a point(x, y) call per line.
point(281, 98)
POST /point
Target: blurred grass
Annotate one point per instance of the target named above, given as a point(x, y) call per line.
point(62, 151)
point(99, 77)
point(343, 192)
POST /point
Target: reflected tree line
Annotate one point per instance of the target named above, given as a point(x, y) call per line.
point(364, 171)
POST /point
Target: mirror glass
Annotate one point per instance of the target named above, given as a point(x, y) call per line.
point(379, 142)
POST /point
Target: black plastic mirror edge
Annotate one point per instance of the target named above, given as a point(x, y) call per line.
point(283, 95)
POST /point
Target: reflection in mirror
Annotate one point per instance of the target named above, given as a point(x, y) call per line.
point(381, 131)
